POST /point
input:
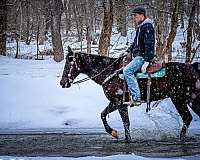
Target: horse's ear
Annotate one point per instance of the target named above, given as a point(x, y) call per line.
point(70, 52)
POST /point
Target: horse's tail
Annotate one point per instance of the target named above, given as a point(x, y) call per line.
point(196, 66)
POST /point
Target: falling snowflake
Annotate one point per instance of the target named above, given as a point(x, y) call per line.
point(119, 92)
point(197, 84)
point(194, 96)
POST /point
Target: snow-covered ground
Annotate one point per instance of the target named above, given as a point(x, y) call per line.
point(115, 157)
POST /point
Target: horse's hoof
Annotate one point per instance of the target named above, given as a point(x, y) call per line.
point(114, 134)
point(182, 136)
point(183, 133)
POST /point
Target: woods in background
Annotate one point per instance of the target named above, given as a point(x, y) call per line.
point(28, 20)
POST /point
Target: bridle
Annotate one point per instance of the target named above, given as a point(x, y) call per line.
point(74, 62)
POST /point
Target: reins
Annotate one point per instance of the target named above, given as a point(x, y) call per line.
point(88, 78)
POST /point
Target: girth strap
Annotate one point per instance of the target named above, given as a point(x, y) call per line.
point(148, 93)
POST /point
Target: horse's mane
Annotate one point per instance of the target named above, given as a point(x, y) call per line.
point(100, 59)
point(196, 66)
point(96, 55)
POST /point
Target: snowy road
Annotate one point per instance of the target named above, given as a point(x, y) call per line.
point(91, 143)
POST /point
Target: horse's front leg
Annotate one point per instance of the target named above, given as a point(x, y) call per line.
point(110, 108)
point(123, 111)
point(185, 115)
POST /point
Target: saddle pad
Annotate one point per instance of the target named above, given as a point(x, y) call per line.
point(158, 74)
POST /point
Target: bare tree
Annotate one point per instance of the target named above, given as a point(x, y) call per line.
point(173, 29)
point(189, 32)
point(106, 31)
point(56, 8)
point(28, 21)
point(182, 11)
point(78, 18)
point(161, 18)
point(3, 26)
point(121, 15)
point(67, 10)
point(198, 10)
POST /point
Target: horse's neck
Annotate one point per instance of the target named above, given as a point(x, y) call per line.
point(94, 65)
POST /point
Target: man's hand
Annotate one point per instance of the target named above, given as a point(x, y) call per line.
point(144, 67)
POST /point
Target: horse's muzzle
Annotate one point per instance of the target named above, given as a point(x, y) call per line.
point(65, 84)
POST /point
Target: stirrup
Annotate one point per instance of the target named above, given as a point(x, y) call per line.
point(128, 103)
point(137, 102)
point(133, 103)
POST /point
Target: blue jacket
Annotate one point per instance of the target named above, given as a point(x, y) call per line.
point(144, 41)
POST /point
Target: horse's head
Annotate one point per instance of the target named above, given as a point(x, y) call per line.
point(71, 69)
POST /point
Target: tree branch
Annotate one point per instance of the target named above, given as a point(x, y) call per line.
point(194, 52)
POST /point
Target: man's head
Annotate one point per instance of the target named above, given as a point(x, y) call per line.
point(138, 14)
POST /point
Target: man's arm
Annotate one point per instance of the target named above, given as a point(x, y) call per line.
point(149, 43)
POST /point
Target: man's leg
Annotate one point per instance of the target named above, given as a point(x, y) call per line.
point(131, 80)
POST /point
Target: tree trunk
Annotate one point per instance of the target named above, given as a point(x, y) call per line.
point(42, 33)
point(194, 53)
point(159, 31)
point(89, 23)
point(27, 5)
point(182, 11)
point(67, 10)
point(78, 21)
point(198, 10)
point(106, 31)
point(89, 39)
point(121, 14)
point(56, 12)
point(47, 16)
point(159, 44)
point(3, 27)
point(173, 29)
point(37, 39)
point(189, 32)
point(17, 50)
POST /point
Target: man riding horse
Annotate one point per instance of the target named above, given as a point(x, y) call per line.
point(176, 83)
point(142, 51)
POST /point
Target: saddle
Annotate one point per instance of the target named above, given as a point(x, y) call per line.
point(152, 67)
point(155, 69)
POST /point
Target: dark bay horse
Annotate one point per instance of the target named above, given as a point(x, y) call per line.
point(181, 83)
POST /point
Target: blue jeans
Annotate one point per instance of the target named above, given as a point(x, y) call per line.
point(131, 80)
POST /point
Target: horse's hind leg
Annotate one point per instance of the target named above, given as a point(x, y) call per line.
point(123, 111)
point(110, 108)
point(185, 115)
